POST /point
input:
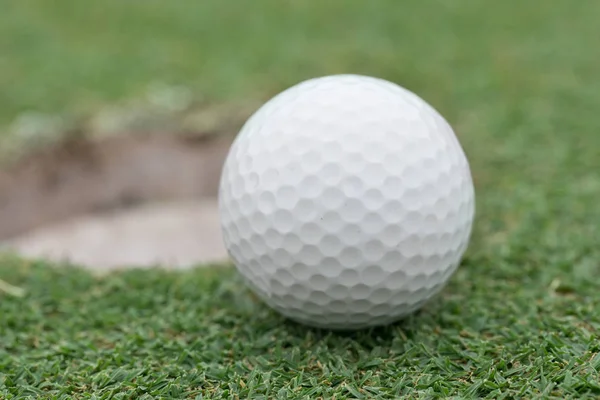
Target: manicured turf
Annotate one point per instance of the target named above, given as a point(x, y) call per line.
point(464, 55)
point(512, 326)
point(520, 319)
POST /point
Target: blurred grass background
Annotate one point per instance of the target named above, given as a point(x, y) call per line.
point(464, 56)
point(518, 81)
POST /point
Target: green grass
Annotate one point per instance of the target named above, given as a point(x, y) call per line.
point(462, 55)
point(520, 319)
point(505, 328)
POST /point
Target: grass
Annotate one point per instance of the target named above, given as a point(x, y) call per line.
point(503, 329)
point(60, 56)
point(518, 81)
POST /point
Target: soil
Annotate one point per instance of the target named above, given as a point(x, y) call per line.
point(146, 187)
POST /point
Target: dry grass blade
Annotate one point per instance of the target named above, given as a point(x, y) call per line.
point(11, 290)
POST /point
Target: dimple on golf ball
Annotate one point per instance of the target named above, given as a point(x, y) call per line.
point(346, 202)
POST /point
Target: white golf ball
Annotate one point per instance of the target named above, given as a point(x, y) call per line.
point(346, 202)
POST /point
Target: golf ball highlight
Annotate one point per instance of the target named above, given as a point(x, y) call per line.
point(346, 202)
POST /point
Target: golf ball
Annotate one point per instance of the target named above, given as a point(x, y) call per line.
point(345, 202)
